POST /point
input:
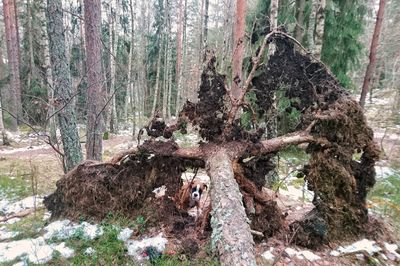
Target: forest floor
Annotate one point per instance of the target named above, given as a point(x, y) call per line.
point(30, 167)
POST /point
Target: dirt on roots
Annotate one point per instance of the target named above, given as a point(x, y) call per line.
point(340, 172)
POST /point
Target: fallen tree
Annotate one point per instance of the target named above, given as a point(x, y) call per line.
point(237, 159)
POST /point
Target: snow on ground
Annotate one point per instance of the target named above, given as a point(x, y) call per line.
point(32, 250)
point(39, 250)
point(8, 208)
point(65, 229)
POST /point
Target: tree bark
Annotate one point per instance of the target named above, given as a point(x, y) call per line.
point(311, 26)
point(113, 57)
point(372, 54)
point(238, 50)
point(273, 21)
point(178, 67)
point(62, 85)
point(12, 40)
point(300, 4)
point(319, 28)
point(231, 235)
point(95, 80)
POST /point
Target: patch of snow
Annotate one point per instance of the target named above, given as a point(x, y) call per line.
point(383, 171)
point(302, 254)
point(26, 203)
point(5, 234)
point(362, 245)
point(392, 249)
point(309, 255)
point(291, 252)
point(125, 234)
point(89, 251)
point(160, 191)
point(13, 220)
point(65, 229)
point(268, 256)
point(46, 216)
point(33, 148)
point(65, 252)
point(34, 250)
point(137, 247)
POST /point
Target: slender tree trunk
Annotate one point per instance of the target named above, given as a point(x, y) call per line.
point(49, 79)
point(372, 55)
point(231, 235)
point(95, 80)
point(160, 54)
point(179, 67)
point(238, 50)
point(300, 5)
point(3, 75)
point(12, 40)
point(272, 123)
point(311, 26)
point(2, 129)
point(319, 28)
point(273, 23)
point(30, 40)
point(62, 85)
point(113, 58)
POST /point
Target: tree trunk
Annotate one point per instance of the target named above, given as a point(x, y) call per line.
point(238, 50)
point(372, 54)
point(157, 85)
point(300, 4)
point(95, 80)
point(319, 28)
point(62, 85)
point(273, 23)
point(51, 119)
point(231, 235)
point(12, 39)
point(113, 58)
point(272, 122)
point(2, 129)
point(3, 74)
point(311, 26)
point(178, 67)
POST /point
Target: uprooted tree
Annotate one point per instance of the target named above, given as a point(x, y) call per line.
point(237, 159)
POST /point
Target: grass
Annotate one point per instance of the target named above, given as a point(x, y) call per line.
point(15, 187)
point(108, 249)
point(385, 197)
point(28, 227)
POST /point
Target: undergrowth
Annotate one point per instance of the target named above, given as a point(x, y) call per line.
point(385, 197)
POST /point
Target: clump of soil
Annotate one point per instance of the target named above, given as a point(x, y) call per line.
point(340, 182)
point(95, 189)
